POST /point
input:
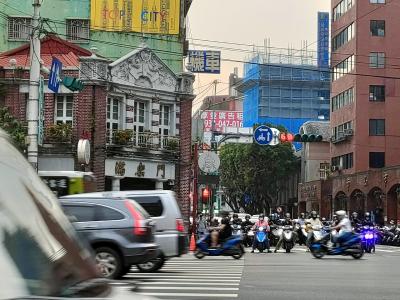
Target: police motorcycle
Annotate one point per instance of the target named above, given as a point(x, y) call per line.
point(368, 237)
point(353, 246)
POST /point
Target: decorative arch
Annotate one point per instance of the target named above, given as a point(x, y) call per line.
point(357, 202)
point(340, 201)
point(393, 201)
point(375, 204)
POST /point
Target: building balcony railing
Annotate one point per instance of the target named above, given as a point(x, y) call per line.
point(146, 140)
point(342, 136)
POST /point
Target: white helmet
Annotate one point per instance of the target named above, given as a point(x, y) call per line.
point(341, 214)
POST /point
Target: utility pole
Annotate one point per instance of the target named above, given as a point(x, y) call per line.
point(34, 78)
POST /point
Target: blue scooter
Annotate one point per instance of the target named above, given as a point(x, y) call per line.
point(351, 247)
point(261, 239)
point(231, 247)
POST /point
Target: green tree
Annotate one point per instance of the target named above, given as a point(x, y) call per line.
point(13, 127)
point(256, 173)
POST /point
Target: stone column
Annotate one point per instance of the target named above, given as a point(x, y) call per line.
point(116, 183)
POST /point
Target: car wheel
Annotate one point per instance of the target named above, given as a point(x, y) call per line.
point(109, 262)
point(152, 265)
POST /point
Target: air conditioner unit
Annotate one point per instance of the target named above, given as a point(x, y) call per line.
point(348, 132)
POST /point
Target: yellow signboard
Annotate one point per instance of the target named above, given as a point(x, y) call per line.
point(147, 16)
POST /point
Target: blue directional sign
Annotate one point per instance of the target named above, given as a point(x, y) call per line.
point(263, 135)
point(54, 77)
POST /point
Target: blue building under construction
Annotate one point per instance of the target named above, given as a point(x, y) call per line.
point(288, 87)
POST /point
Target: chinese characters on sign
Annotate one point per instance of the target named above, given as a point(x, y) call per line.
point(205, 61)
point(58, 185)
point(323, 39)
point(221, 119)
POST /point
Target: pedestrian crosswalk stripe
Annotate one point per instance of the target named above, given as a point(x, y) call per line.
point(193, 288)
point(191, 283)
point(205, 280)
point(210, 296)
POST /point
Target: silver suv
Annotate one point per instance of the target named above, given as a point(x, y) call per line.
point(170, 233)
point(119, 231)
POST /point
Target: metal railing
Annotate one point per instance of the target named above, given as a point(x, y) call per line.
point(147, 140)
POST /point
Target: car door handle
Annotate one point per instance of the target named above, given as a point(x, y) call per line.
point(89, 226)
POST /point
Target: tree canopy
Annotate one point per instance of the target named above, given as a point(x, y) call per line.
point(252, 175)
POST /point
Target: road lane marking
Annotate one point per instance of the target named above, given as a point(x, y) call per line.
point(189, 283)
point(188, 288)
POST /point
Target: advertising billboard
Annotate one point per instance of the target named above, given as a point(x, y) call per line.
point(221, 119)
point(323, 39)
point(147, 16)
point(204, 61)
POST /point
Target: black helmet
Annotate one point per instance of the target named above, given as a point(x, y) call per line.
point(354, 214)
point(261, 216)
point(314, 214)
point(235, 216)
point(247, 217)
point(287, 215)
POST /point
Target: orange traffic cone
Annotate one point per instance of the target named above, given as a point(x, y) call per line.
point(192, 245)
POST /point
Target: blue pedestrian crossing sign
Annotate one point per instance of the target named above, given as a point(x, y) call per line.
point(54, 77)
point(263, 135)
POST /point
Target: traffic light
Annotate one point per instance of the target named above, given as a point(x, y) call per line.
point(73, 84)
point(286, 137)
point(307, 138)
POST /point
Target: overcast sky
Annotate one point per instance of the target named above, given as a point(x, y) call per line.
point(285, 22)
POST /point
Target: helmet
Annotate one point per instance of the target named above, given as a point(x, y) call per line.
point(367, 215)
point(323, 219)
point(341, 214)
point(302, 215)
point(391, 222)
point(334, 217)
point(287, 215)
point(354, 214)
point(261, 216)
point(247, 217)
point(235, 216)
point(314, 214)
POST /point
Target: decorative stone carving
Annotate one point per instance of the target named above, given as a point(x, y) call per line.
point(185, 83)
point(143, 68)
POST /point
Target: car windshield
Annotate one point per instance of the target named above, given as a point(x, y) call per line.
point(40, 254)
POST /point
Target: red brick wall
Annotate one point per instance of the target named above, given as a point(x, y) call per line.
point(183, 173)
point(16, 102)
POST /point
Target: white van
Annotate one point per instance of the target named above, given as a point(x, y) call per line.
point(162, 206)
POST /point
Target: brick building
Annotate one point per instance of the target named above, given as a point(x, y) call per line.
point(134, 111)
point(365, 108)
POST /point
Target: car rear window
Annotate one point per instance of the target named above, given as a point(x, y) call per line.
point(109, 214)
point(152, 204)
point(80, 212)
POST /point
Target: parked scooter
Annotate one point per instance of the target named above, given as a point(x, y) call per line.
point(288, 238)
point(351, 247)
point(261, 238)
point(276, 234)
point(231, 247)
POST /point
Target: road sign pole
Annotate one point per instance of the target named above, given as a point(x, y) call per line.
point(33, 101)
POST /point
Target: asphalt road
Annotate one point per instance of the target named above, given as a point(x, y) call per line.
point(298, 276)
point(294, 276)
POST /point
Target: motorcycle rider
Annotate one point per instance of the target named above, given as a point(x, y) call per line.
point(302, 219)
point(261, 223)
point(201, 226)
point(221, 233)
point(324, 221)
point(344, 227)
point(313, 221)
point(367, 220)
point(287, 222)
point(247, 222)
point(236, 220)
point(355, 221)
